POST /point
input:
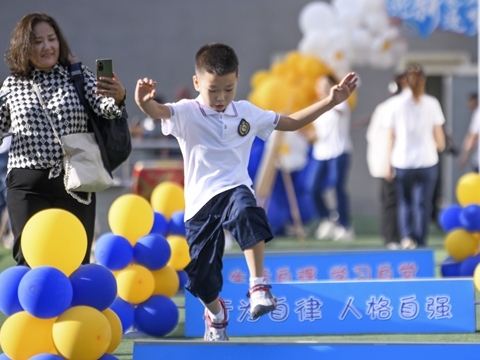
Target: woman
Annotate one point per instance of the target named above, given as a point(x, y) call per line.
point(416, 138)
point(39, 53)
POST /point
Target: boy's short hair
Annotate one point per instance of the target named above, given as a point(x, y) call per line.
point(216, 58)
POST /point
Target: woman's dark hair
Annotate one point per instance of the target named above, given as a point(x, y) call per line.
point(216, 58)
point(17, 56)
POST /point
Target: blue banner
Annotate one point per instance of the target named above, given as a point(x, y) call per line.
point(338, 266)
point(349, 307)
point(234, 350)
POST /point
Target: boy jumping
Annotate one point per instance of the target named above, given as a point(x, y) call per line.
point(215, 134)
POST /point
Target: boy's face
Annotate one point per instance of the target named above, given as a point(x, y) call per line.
point(217, 91)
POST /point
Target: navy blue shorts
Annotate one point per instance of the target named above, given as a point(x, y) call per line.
point(234, 210)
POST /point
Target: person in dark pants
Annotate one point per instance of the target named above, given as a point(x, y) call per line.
point(35, 167)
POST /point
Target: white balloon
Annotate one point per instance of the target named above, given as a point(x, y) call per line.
point(316, 15)
point(377, 22)
point(314, 43)
point(296, 157)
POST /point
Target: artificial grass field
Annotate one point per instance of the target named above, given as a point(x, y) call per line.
point(367, 238)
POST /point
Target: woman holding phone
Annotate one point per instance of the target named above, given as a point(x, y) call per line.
point(39, 54)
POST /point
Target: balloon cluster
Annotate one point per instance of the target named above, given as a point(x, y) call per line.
point(349, 33)
point(146, 251)
point(57, 308)
point(461, 222)
point(289, 85)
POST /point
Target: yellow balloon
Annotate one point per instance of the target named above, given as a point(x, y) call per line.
point(180, 252)
point(23, 336)
point(81, 333)
point(258, 77)
point(116, 327)
point(460, 244)
point(274, 94)
point(468, 189)
point(168, 198)
point(56, 238)
point(476, 277)
point(166, 281)
point(131, 216)
point(135, 284)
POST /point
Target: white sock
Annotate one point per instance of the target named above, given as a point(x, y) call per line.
point(216, 317)
point(256, 280)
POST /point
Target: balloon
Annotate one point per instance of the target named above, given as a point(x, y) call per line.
point(113, 251)
point(54, 237)
point(166, 281)
point(93, 285)
point(449, 218)
point(467, 266)
point(160, 224)
point(258, 77)
point(108, 357)
point(135, 284)
point(183, 278)
point(460, 244)
point(167, 198)
point(45, 292)
point(130, 216)
point(125, 312)
point(9, 281)
point(176, 226)
point(468, 189)
point(158, 316)
point(274, 94)
point(117, 330)
point(47, 357)
point(23, 336)
point(82, 332)
point(180, 252)
point(3, 356)
point(470, 218)
point(450, 268)
point(152, 251)
point(476, 278)
point(316, 15)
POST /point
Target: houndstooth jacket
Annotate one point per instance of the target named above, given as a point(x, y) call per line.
point(34, 145)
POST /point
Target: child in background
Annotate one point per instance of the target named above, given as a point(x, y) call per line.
point(215, 134)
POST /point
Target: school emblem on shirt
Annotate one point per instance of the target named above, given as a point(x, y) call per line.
point(243, 127)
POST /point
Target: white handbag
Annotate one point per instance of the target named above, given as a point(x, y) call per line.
point(82, 161)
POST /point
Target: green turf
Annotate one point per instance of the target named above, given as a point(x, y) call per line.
point(367, 238)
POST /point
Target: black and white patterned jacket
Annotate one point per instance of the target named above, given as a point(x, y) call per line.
point(34, 145)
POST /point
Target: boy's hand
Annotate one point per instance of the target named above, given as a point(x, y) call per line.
point(342, 91)
point(145, 90)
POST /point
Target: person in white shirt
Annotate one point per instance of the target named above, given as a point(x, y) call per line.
point(470, 141)
point(416, 138)
point(331, 162)
point(378, 163)
point(215, 135)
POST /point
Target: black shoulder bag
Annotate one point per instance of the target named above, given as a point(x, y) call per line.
point(112, 135)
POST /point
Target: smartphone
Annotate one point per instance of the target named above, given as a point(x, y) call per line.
point(4, 135)
point(104, 68)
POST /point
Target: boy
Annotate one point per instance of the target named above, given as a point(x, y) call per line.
point(215, 135)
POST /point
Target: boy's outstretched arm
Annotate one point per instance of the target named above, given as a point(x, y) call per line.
point(144, 94)
point(338, 93)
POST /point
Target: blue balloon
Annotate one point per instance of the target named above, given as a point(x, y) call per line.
point(93, 285)
point(4, 357)
point(450, 267)
point(176, 226)
point(449, 218)
point(125, 311)
point(470, 217)
point(467, 266)
point(9, 281)
point(47, 357)
point(160, 224)
point(113, 251)
point(152, 251)
point(107, 357)
point(182, 278)
point(45, 292)
point(158, 316)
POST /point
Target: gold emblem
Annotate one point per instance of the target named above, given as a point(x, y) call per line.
point(243, 127)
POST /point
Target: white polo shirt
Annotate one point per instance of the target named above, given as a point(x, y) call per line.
point(333, 133)
point(215, 146)
point(414, 146)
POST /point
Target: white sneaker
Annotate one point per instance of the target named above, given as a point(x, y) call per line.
point(408, 243)
point(325, 229)
point(216, 331)
point(343, 234)
point(393, 246)
point(261, 300)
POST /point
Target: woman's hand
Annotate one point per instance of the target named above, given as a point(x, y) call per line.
point(111, 87)
point(344, 89)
